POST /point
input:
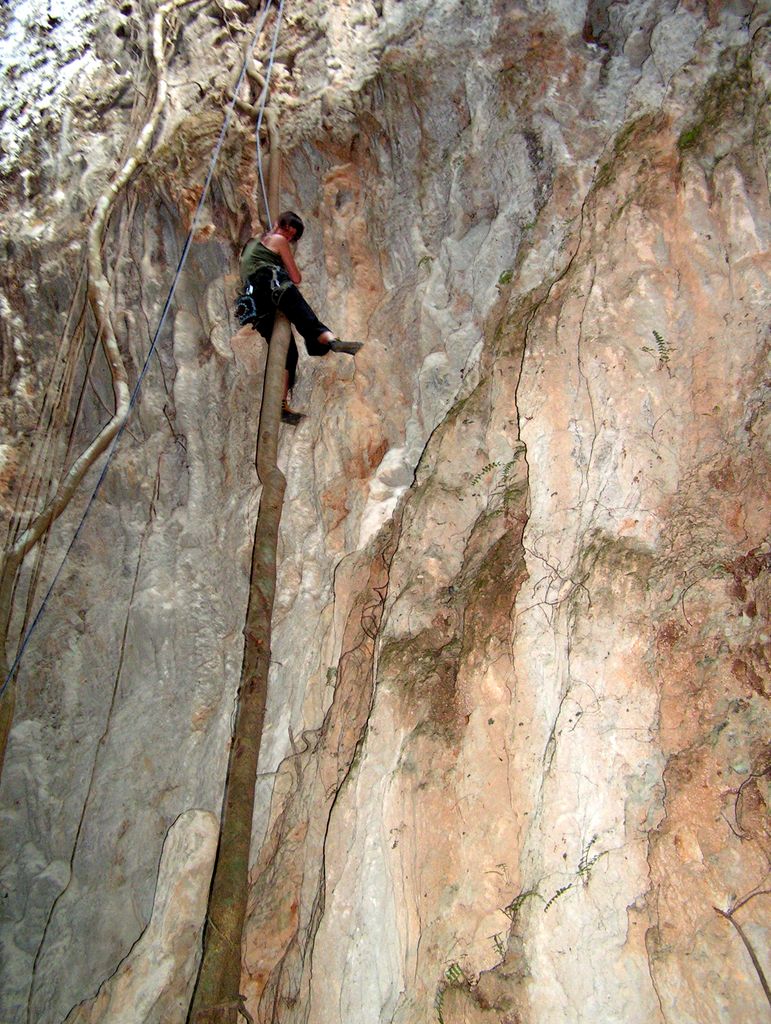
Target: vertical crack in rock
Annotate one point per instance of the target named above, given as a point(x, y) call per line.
point(287, 898)
point(38, 976)
point(444, 612)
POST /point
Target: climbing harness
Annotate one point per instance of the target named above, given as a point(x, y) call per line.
point(164, 313)
point(246, 310)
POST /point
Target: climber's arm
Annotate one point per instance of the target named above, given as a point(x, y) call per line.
point(284, 251)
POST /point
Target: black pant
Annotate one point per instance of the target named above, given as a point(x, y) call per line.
point(298, 313)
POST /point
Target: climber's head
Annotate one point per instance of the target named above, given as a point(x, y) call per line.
point(292, 225)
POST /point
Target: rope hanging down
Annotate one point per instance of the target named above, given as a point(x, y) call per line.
point(262, 102)
point(164, 314)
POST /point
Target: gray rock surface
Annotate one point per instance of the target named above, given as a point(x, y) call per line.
point(155, 981)
point(514, 753)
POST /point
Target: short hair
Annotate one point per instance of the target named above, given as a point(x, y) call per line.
point(291, 220)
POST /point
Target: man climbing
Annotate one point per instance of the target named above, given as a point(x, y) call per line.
point(270, 276)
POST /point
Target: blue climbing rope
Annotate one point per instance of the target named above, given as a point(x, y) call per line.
point(161, 322)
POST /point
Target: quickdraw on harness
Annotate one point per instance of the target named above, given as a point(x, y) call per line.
point(245, 307)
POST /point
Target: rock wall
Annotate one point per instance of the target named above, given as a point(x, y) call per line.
point(515, 765)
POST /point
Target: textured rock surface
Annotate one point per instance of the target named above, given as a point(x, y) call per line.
point(515, 750)
point(155, 981)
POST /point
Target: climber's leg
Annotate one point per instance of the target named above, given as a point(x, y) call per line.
point(292, 358)
point(264, 323)
point(289, 415)
point(319, 339)
point(299, 313)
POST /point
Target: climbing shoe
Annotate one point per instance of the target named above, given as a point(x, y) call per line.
point(290, 416)
point(349, 347)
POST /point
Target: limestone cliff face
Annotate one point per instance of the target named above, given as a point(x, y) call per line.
point(515, 769)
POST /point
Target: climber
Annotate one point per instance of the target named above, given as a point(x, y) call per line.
point(270, 277)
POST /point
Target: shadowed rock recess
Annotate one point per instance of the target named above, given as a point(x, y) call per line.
point(515, 768)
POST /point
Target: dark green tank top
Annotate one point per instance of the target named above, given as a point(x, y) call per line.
point(257, 255)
